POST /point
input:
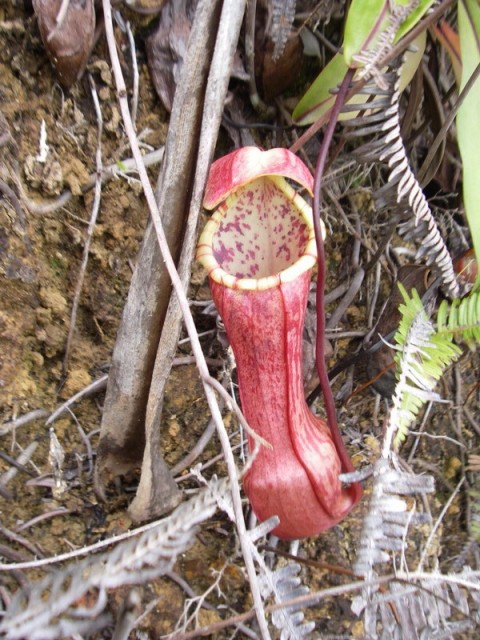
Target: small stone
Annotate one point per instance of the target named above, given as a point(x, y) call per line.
point(52, 231)
point(52, 178)
point(76, 176)
point(37, 359)
point(453, 466)
point(78, 116)
point(53, 299)
point(32, 170)
point(44, 176)
point(43, 316)
point(104, 69)
point(113, 125)
point(104, 94)
point(174, 428)
point(53, 338)
point(207, 617)
point(77, 380)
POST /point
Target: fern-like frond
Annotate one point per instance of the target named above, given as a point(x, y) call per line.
point(422, 356)
point(386, 523)
point(284, 584)
point(461, 319)
point(287, 584)
point(48, 609)
point(433, 606)
point(381, 119)
point(428, 609)
point(370, 59)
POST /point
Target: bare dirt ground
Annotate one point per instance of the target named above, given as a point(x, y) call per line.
point(40, 255)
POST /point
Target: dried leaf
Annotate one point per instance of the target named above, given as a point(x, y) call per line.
point(279, 74)
point(166, 48)
point(67, 35)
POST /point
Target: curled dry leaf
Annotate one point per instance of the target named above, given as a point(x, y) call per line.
point(167, 46)
point(67, 35)
point(277, 75)
point(466, 267)
point(278, 47)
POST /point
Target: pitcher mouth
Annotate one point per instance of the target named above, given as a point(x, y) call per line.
point(246, 236)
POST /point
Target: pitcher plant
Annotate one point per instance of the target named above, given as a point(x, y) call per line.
point(259, 250)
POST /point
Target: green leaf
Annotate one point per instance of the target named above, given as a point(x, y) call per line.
point(366, 20)
point(468, 117)
point(461, 319)
point(414, 17)
point(318, 99)
point(412, 60)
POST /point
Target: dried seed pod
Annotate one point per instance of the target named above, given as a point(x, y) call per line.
point(67, 34)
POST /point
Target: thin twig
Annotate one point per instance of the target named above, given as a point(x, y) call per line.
point(423, 425)
point(11, 461)
point(115, 170)
point(257, 102)
point(85, 441)
point(94, 387)
point(374, 296)
point(41, 517)
point(200, 468)
point(304, 601)
point(232, 404)
point(15, 537)
point(318, 596)
point(440, 137)
point(37, 414)
point(91, 227)
point(136, 76)
point(437, 524)
point(347, 299)
point(22, 459)
point(198, 449)
point(84, 551)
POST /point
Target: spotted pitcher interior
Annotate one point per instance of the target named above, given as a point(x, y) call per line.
point(262, 232)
